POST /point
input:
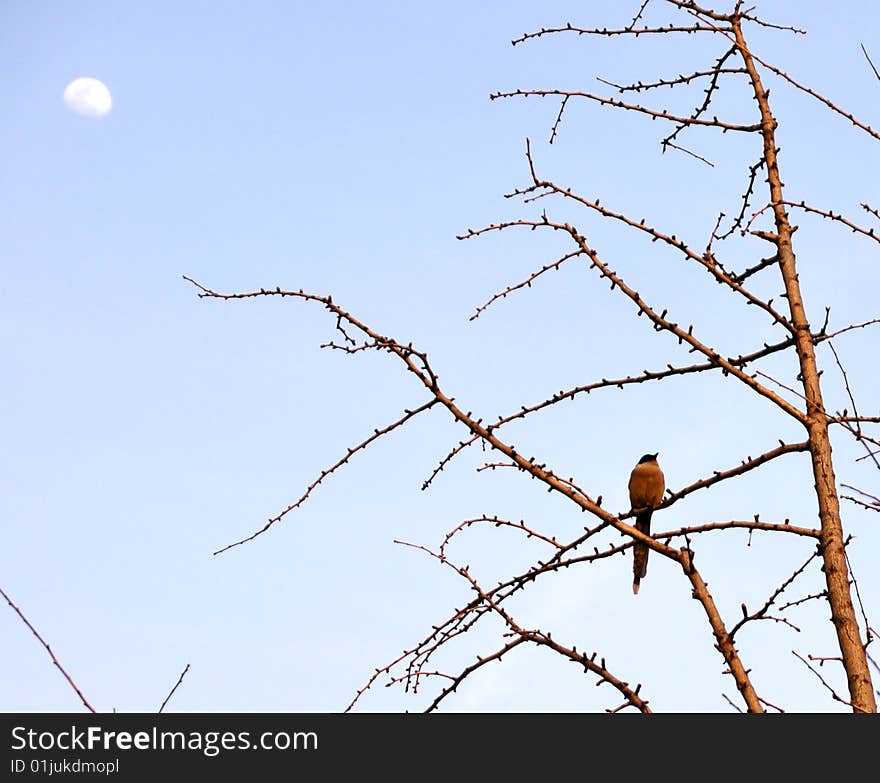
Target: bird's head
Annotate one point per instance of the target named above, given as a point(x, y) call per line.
point(649, 458)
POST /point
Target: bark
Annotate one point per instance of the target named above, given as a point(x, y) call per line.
point(843, 614)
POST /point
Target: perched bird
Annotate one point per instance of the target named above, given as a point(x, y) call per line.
point(646, 488)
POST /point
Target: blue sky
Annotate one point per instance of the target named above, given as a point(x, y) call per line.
point(340, 148)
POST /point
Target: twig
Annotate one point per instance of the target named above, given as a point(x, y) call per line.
point(857, 429)
point(176, 685)
point(377, 433)
point(822, 336)
point(870, 506)
point(49, 650)
point(731, 703)
point(605, 31)
point(855, 585)
point(655, 113)
point(555, 128)
point(770, 704)
point(827, 686)
point(498, 522)
point(638, 15)
point(761, 614)
point(868, 58)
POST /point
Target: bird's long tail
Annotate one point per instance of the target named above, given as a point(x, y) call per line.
point(640, 551)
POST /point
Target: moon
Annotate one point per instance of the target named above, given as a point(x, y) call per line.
point(89, 97)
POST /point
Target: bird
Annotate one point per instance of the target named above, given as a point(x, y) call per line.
point(646, 488)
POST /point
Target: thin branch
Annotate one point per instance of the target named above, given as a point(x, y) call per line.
point(862, 611)
point(176, 686)
point(527, 283)
point(771, 705)
point(569, 28)
point(49, 650)
point(761, 613)
point(822, 336)
point(746, 465)
point(825, 213)
point(805, 599)
point(554, 130)
point(497, 522)
point(377, 433)
point(685, 150)
point(862, 493)
point(412, 680)
point(823, 659)
point(681, 79)
point(715, 76)
point(762, 264)
point(469, 670)
point(731, 703)
point(635, 19)
point(781, 385)
point(762, 23)
point(875, 506)
point(654, 113)
point(647, 375)
point(750, 525)
point(738, 220)
point(856, 430)
point(870, 62)
point(827, 686)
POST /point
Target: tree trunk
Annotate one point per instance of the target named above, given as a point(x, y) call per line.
point(843, 614)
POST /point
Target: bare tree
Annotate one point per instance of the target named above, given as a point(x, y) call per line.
point(762, 218)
